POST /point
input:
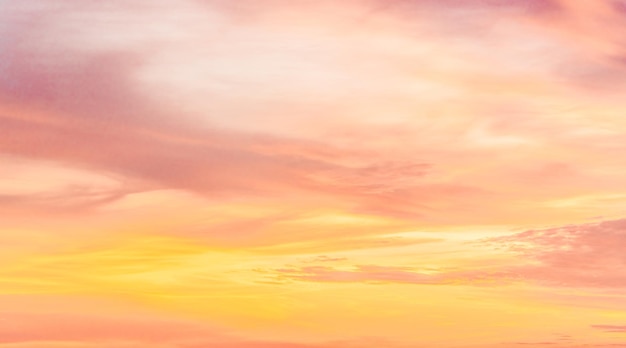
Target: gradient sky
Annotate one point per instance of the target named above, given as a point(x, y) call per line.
point(312, 174)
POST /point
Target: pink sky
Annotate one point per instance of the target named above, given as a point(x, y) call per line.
point(312, 174)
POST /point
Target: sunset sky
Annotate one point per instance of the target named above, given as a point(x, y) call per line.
point(312, 174)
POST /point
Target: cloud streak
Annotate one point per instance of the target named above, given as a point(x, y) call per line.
point(575, 255)
point(610, 328)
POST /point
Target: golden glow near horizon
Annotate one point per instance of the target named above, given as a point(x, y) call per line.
point(297, 174)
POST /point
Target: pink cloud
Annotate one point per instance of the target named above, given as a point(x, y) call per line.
point(523, 6)
point(610, 328)
point(93, 330)
point(74, 93)
point(588, 255)
point(31, 327)
point(209, 163)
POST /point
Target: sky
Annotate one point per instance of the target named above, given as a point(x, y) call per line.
point(312, 174)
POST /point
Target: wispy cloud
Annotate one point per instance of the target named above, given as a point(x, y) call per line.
point(272, 167)
point(610, 328)
point(587, 255)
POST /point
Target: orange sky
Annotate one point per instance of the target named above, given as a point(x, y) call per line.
point(312, 174)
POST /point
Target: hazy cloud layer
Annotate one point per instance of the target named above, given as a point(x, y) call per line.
point(307, 174)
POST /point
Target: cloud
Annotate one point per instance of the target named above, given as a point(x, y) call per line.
point(586, 255)
point(50, 326)
point(523, 6)
point(29, 327)
point(374, 274)
point(208, 163)
point(535, 343)
point(71, 330)
point(198, 155)
point(619, 6)
point(610, 328)
point(129, 90)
